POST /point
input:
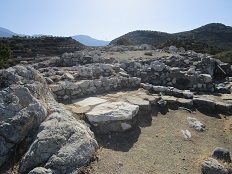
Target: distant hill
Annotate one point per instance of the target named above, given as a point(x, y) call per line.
point(214, 35)
point(89, 41)
point(43, 46)
point(7, 33)
point(139, 37)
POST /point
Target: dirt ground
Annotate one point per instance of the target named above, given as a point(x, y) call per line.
point(156, 145)
point(128, 55)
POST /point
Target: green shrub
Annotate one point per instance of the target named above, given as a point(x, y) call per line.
point(225, 56)
point(5, 56)
point(188, 43)
point(123, 41)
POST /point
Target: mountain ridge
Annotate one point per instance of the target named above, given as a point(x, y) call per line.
point(84, 39)
point(6, 33)
point(213, 34)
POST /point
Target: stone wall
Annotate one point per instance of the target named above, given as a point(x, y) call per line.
point(66, 90)
point(87, 72)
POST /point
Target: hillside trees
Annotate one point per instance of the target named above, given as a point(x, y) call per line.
point(123, 41)
point(5, 56)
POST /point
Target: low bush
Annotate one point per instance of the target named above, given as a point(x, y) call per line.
point(123, 41)
point(225, 56)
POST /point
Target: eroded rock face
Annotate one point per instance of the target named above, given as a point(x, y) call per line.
point(27, 107)
point(22, 107)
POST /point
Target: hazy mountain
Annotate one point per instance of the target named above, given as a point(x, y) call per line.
point(214, 34)
point(89, 41)
point(7, 33)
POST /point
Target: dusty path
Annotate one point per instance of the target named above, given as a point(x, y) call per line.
point(156, 145)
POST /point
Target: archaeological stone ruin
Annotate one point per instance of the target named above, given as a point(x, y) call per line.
point(40, 101)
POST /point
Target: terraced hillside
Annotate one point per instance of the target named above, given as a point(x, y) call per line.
point(41, 46)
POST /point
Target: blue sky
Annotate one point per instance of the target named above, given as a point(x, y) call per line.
point(108, 19)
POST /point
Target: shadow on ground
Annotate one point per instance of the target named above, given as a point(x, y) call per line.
point(124, 141)
point(119, 141)
point(209, 112)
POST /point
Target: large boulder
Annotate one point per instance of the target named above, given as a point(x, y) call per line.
point(62, 145)
point(108, 117)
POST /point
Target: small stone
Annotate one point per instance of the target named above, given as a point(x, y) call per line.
point(120, 164)
point(206, 78)
point(40, 170)
point(157, 66)
point(196, 124)
point(174, 81)
point(125, 126)
point(212, 166)
point(222, 154)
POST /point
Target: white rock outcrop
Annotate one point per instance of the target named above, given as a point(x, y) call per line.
point(28, 110)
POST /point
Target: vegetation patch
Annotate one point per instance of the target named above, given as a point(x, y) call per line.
point(123, 41)
point(5, 56)
point(189, 43)
point(41, 46)
point(225, 56)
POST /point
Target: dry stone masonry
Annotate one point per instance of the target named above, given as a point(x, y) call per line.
point(30, 113)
